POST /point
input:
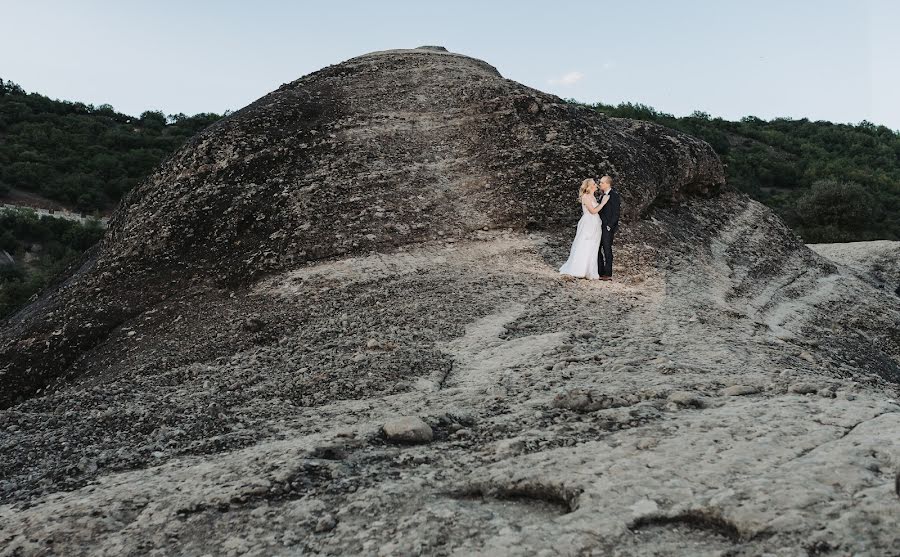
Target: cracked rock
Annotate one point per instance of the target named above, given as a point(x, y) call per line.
point(586, 400)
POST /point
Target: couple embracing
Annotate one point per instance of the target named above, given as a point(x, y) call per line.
point(591, 253)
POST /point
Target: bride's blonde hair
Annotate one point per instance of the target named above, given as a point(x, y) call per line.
point(585, 186)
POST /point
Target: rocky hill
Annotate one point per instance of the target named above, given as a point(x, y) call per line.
point(368, 256)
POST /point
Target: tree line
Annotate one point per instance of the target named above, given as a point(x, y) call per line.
point(83, 156)
point(830, 182)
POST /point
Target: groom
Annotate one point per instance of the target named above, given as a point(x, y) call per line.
point(609, 216)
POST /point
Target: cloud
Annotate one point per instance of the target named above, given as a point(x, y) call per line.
point(570, 78)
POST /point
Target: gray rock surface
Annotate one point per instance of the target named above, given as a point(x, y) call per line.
point(190, 393)
point(384, 150)
point(586, 400)
point(875, 262)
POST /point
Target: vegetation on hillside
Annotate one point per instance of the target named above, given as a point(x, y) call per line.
point(829, 182)
point(41, 247)
point(84, 156)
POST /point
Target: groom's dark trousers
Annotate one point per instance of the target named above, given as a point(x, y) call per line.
point(606, 257)
point(609, 216)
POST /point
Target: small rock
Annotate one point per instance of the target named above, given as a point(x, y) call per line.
point(740, 390)
point(235, 545)
point(509, 447)
point(254, 324)
point(647, 443)
point(803, 388)
point(259, 512)
point(586, 400)
point(808, 357)
point(326, 523)
point(408, 429)
point(559, 366)
point(290, 537)
point(686, 398)
point(329, 452)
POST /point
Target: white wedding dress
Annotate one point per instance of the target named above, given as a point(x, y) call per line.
point(586, 246)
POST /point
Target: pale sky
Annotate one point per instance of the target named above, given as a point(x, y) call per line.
point(823, 60)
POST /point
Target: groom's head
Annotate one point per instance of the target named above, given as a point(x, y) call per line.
point(605, 184)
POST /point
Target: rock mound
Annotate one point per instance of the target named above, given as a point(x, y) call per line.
point(384, 150)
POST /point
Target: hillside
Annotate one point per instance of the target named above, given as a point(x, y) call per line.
point(829, 182)
point(39, 249)
point(332, 323)
point(83, 156)
point(69, 155)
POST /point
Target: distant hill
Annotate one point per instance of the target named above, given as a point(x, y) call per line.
point(60, 154)
point(80, 155)
point(829, 182)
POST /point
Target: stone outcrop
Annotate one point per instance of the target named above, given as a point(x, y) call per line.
point(384, 150)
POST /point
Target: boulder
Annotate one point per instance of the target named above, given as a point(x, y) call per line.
point(407, 429)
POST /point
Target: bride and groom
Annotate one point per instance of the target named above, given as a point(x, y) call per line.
point(591, 253)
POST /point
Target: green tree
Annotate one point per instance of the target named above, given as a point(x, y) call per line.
point(832, 211)
point(778, 162)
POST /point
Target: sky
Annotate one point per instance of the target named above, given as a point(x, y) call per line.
point(817, 59)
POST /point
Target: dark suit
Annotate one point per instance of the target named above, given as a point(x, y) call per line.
point(609, 216)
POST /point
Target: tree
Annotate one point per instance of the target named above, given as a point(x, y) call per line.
point(833, 211)
point(153, 119)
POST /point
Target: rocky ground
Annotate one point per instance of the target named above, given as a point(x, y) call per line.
point(667, 413)
point(875, 262)
point(258, 362)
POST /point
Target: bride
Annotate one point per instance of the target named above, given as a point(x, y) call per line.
point(586, 246)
